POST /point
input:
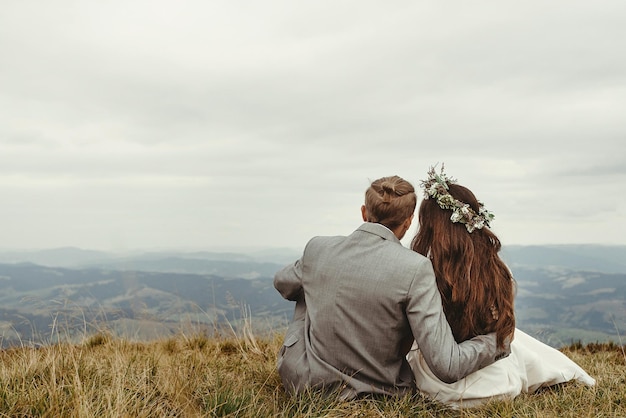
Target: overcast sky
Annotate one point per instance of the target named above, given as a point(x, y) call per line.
point(142, 124)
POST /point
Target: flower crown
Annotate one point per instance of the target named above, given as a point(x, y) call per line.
point(436, 187)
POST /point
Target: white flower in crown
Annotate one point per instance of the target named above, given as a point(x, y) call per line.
point(432, 190)
point(456, 216)
point(485, 213)
point(445, 201)
point(479, 224)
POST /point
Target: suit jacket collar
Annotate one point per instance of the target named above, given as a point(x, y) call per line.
point(380, 230)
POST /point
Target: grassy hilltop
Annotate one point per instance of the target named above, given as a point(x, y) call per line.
point(200, 376)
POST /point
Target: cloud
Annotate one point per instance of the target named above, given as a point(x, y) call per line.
point(216, 123)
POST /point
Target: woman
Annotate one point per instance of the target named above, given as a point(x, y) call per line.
point(477, 291)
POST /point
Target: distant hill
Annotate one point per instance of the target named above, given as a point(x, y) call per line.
point(39, 302)
point(565, 293)
point(56, 257)
point(601, 258)
point(151, 260)
point(560, 306)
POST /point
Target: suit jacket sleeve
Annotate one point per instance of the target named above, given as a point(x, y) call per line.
point(288, 281)
point(448, 360)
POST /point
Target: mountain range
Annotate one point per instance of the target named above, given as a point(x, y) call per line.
point(565, 293)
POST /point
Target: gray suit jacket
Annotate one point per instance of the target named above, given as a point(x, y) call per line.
point(361, 301)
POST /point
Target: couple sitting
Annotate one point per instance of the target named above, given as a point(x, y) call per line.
point(374, 317)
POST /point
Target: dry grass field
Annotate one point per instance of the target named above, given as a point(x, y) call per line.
point(200, 376)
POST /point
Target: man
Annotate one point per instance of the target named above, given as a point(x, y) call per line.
point(361, 302)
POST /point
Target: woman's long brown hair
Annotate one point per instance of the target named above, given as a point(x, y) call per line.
point(476, 287)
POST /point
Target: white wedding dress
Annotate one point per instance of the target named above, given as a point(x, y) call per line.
point(531, 365)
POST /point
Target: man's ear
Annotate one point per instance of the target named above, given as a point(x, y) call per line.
point(364, 213)
point(407, 223)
